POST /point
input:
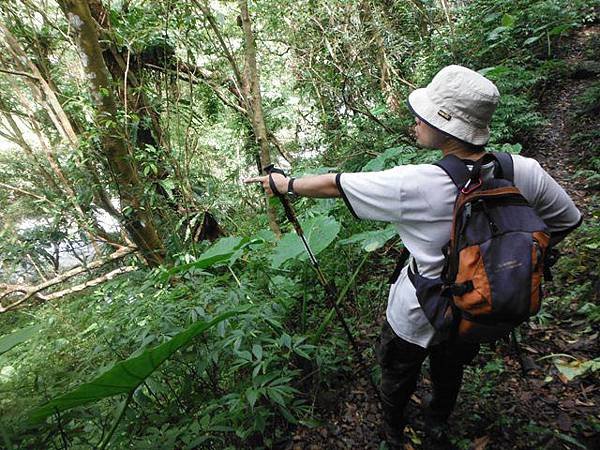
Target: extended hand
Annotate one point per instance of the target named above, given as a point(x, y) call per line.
point(280, 181)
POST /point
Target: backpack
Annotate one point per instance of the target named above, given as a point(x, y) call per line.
point(493, 267)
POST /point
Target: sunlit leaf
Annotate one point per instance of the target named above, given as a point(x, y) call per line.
point(222, 251)
point(508, 21)
point(320, 231)
point(573, 369)
point(371, 240)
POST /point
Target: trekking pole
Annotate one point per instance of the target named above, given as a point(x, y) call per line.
point(330, 289)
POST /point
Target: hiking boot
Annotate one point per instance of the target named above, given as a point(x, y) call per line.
point(394, 437)
point(436, 427)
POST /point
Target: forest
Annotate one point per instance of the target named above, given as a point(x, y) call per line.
point(150, 299)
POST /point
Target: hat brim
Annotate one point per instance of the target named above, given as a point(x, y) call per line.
point(422, 107)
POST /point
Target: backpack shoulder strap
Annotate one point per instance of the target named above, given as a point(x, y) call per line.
point(455, 168)
point(506, 166)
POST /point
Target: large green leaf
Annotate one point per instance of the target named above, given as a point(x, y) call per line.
point(222, 251)
point(320, 231)
point(18, 337)
point(371, 240)
point(127, 375)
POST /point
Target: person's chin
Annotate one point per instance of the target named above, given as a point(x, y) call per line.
point(422, 144)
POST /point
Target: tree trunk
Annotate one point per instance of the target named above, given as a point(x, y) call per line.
point(126, 70)
point(138, 220)
point(251, 89)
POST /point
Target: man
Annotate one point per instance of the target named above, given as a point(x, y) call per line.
point(452, 114)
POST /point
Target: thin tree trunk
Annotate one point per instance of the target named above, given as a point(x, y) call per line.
point(40, 87)
point(139, 222)
point(251, 89)
point(44, 94)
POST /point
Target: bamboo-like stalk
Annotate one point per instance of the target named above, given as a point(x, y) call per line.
point(117, 421)
point(317, 336)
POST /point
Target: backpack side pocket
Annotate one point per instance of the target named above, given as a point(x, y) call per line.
point(477, 300)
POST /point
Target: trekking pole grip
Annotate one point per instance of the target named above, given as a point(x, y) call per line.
point(270, 170)
point(285, 202)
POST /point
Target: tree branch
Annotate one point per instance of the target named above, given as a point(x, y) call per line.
point(202, 76)
point(21, 74)
point(213, 24)
point(90, 283)
point(34, 291)
point(22, 191)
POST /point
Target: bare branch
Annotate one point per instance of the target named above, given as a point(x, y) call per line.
point(34, 291)
point(22, 191)
point(273, 139)
point(90, 283)
point(20, 73)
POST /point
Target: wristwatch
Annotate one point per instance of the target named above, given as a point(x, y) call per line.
point(290, 188)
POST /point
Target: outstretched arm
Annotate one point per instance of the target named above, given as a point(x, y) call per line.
point(322, 186)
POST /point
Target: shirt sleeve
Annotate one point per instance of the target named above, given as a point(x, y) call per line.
point(548, 198)
point(373, 195)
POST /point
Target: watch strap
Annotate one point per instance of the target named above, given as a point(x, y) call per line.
point(290, 189)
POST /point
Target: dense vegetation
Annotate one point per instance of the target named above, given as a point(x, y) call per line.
point(157, 302)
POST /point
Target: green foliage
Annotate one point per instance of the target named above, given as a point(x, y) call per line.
point(334, 76)
point(18, 337)
point(515, 115)
point(126, 376)
point(320, 231)
point(371, 240)
point(227, 250)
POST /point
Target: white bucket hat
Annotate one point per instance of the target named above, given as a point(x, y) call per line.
point(459, 102)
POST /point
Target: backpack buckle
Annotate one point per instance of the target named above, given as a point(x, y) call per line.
point(467, 188)
point(459, 289)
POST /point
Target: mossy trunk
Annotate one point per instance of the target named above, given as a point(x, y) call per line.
point(137, 219)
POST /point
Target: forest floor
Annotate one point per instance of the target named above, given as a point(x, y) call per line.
point(499, 407)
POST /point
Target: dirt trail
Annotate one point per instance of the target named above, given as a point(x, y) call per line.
point(500, 408)
point(552, 145)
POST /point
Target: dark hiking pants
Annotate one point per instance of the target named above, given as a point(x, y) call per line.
point(400, 363)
